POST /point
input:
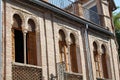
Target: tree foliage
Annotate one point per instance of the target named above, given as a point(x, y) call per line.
point(117, 32)
point(116, 19)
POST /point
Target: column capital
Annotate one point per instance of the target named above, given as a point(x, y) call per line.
point(68, 43)
point(100, 53)
point(24, 31)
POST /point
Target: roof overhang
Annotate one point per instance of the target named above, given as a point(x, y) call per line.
point(112, 4)
point(69, 16)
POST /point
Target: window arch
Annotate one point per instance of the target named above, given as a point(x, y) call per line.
point(73, 56)
point(17, 21)
point(31, 43)
point(17, 39)
point(97, 60)
point(62, 47)
point(31, 25)
point(104, 62)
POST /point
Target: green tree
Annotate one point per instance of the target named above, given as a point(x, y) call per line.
point(116, 19)
point(117, 32)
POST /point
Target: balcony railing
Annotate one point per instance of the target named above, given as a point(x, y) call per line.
point(64, 75)
point(26, 72)
point(75, 7)
point(72, 76)
point(103, 79)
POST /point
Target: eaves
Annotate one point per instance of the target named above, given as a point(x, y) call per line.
point(69, 16)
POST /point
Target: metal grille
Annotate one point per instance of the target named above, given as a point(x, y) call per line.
point(60, 70)
point(103, 79)
point(72, 76)
point(63, 75)
point(25, 72)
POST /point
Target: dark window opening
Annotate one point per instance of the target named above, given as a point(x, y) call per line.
point(19, 49)
point(94, 15)
point(17, 40)
point(104, 62)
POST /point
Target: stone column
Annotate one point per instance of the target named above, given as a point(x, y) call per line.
point(68, 55)
point(24, 38)
point(100, 65)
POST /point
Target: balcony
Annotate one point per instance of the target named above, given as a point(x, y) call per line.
point(26, 72)
point(72, 76)
point(75, 7)
point(64, 75)
point(103, 79)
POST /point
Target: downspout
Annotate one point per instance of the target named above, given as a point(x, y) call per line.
point(87, 48)
point(4, 37)
point(47, 63)
point(54, 47)
point(1, 44)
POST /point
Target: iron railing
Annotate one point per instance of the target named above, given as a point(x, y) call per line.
point(26, 72)
point(103, 79)
point(72, 76)
point(74, 7)
point(64, 75)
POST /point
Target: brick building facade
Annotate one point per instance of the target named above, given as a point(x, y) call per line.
point(59, 40)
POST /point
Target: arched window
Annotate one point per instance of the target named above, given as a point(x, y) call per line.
point(17, 40)
point(17, 21)
point(104, 62)
point(73, 56)
point(96, 60)
point(31, 43)
point(62, 47)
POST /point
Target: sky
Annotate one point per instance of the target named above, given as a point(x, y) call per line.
point(117, 2)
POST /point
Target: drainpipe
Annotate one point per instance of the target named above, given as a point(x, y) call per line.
point(4, 39)
point(87, 49)
point(54, 46)
point(1, 47)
